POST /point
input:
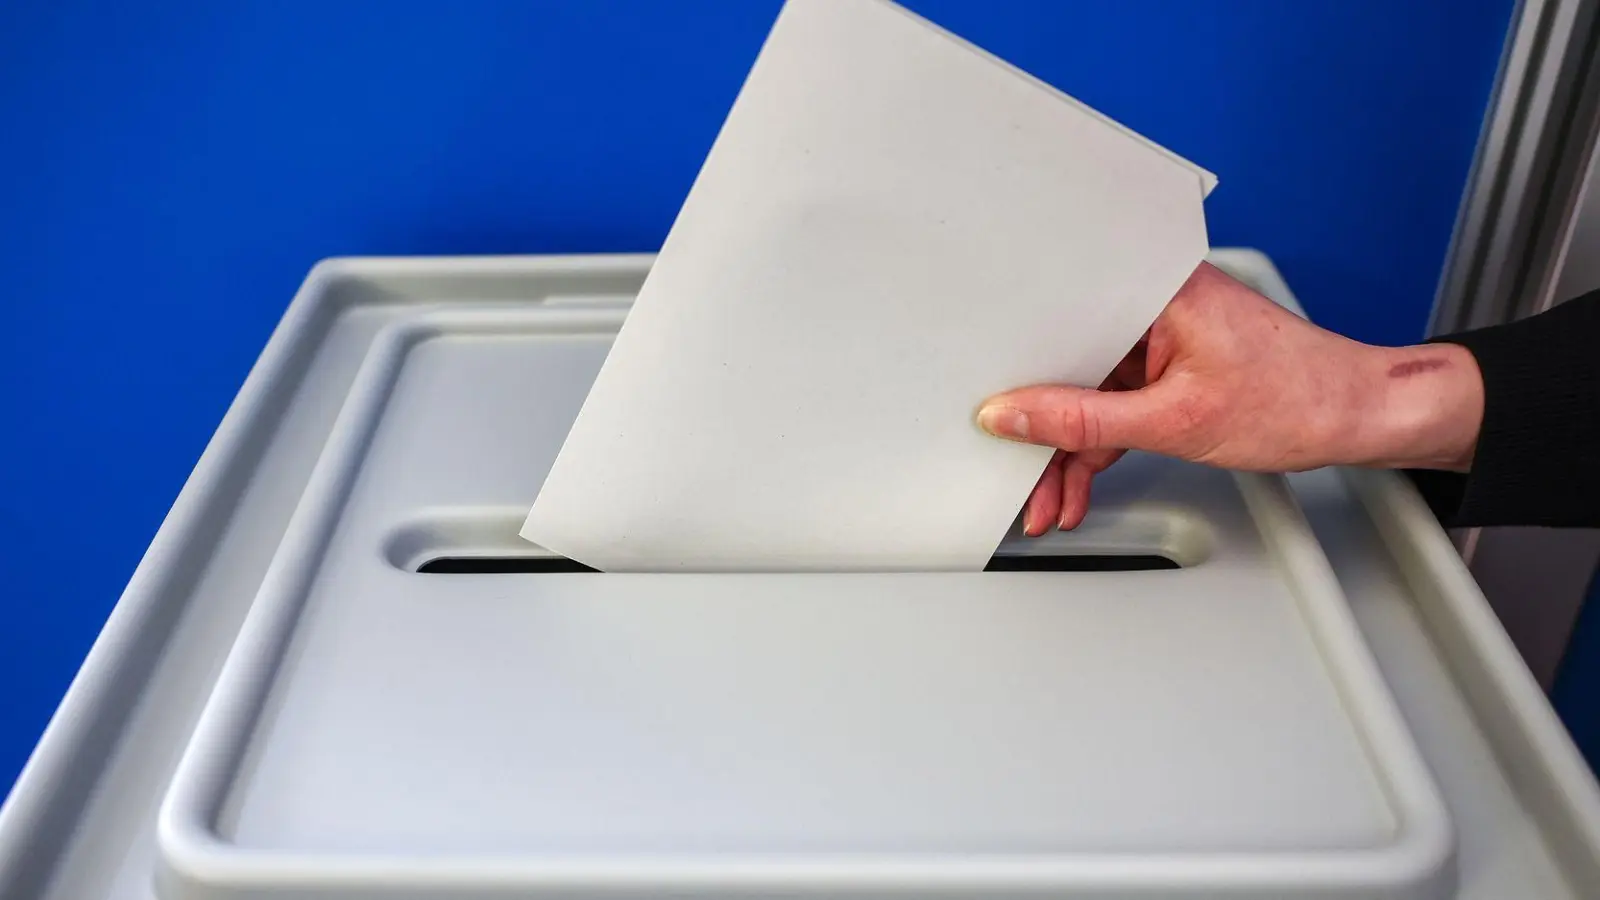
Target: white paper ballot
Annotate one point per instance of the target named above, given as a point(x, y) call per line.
point(891, 226)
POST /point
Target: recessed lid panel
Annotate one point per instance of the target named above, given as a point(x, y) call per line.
point(1213, 727)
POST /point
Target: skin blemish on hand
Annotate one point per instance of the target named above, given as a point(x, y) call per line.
point(1417, 367)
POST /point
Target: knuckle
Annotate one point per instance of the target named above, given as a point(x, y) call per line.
point(1075, 425)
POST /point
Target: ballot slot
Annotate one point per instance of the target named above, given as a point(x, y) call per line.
point(545, 565)
point(484, 542)
point(501, 565)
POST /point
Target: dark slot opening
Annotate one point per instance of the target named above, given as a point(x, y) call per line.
point(531, 565)
point(500, 565)
point(1100, 562)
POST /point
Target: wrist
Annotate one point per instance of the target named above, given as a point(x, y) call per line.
point(1429, 409)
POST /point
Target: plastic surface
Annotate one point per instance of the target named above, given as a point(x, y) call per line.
point(1215, 730)
point(81, 823)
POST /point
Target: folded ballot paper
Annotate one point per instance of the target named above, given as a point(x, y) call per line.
point(891, 226)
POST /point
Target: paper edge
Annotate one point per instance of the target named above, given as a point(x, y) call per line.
point(1208, 180)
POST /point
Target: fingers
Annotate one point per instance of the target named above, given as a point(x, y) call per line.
point(1076, 419)
point(1061, 496)
point(1076, 481)
point(1044, 504)
point(1077, 477)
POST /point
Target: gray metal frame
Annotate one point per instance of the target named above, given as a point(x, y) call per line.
point(1534, 148)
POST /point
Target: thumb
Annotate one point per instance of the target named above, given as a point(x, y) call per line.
point(1073, 418)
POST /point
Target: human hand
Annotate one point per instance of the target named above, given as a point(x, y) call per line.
point(1228, 378)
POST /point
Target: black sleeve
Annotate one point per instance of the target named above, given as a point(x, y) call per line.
point(1538, 455)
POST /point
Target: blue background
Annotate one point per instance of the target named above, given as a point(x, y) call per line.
point(169, 171)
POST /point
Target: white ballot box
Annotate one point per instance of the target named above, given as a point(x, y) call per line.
point(340, 673)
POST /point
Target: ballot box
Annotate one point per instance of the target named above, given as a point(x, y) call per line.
point(339, 673)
